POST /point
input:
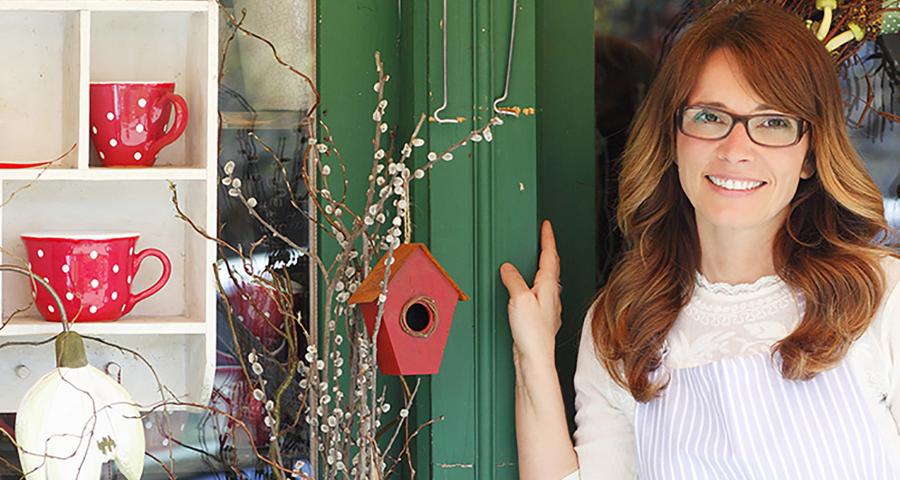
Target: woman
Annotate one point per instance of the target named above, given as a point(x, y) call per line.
point(752, 327)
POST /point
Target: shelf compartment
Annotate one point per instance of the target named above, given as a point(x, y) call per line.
point(60, 46)
point(39, 89)
point(141, 206)
point(175, 359)
point(156, 47)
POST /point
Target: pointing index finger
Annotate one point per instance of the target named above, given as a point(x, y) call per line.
point(549, 260)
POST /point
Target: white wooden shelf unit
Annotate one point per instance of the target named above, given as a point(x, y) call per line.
point(55, 49)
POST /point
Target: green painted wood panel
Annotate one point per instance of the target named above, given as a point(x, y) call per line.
point(566, 164)
point(451, 204)
point(483, 212)
point(485, 206)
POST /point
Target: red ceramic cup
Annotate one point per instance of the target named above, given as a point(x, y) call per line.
point(91, 273)
point(128, 121)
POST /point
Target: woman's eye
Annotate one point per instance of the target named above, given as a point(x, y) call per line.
point(706, 117)
point(776, 123)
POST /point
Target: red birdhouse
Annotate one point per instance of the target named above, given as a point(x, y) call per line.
point(418, 310)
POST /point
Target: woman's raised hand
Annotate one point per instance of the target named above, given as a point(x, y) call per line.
point(535, 312)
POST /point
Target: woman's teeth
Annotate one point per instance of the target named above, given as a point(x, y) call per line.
point(729, 184)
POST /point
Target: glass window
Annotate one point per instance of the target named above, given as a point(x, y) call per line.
point(263, 108)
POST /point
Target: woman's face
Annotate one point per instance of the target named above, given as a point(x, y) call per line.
point(732, 182)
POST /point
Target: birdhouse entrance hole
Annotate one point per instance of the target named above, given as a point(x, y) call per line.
point(419, 317)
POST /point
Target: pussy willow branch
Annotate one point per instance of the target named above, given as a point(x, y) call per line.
point(363, 366)
point(226, 47)
point(237, 421)
point(165, 467)
point(284, 175)
point(40, 172)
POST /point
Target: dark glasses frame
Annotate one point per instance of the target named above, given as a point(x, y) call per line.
point(804, 126)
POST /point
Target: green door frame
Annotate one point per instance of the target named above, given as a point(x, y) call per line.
point(485, 206)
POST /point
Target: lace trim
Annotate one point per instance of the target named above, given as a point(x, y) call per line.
point(737, 289)
point(755, 310)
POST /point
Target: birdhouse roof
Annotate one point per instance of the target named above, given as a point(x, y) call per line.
point(370, 288)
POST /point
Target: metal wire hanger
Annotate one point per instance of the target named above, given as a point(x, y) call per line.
point(437, 113)
point(512, 42)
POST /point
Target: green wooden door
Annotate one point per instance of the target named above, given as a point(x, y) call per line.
point(485, 206)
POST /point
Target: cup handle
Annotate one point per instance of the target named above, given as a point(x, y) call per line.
point(181, 119)
point(166, 273)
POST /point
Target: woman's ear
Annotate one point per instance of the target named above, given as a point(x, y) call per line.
point(809, 166)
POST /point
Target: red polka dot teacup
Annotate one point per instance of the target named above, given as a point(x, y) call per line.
point(91, 272)
point(128, 121)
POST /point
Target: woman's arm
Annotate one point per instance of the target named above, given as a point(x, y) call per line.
point(542, 434)
point(604, 417)
point(545, 449)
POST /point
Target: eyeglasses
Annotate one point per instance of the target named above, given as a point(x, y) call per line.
point(766, 129)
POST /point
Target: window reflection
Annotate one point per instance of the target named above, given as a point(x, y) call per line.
point(262, 109)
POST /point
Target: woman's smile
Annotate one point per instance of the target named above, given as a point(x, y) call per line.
point(734, 186)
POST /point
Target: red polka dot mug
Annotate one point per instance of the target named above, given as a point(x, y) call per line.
point(128, 121)
point(91, 272)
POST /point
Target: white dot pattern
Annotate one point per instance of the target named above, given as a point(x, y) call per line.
point(102, 156)
point(891, 22)
point(113, 142)
point(139, 128)
point(137, 155)
point(94, 283)
point(142, 102)
point(94, 129)
point(110, 116)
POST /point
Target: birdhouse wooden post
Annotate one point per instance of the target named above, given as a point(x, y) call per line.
point(418, 310)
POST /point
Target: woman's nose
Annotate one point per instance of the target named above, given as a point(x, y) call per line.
point(737, 146)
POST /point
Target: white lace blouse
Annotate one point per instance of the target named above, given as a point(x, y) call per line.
point(723, 321)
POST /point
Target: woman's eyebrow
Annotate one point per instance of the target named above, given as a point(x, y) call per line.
point(762, 106)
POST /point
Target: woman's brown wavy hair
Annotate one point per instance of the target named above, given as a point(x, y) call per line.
point(826, 246)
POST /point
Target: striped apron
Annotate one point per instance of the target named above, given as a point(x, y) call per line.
point(738, 418)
